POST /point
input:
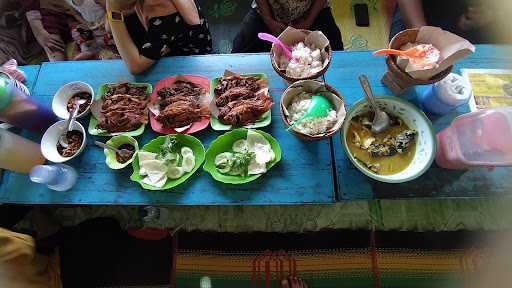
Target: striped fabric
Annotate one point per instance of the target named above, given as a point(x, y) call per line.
point(416, 263)
point(330, 268)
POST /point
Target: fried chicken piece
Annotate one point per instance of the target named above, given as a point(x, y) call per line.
point(122, 121)
point(242, 112)
point(237, 93)
point(124, 101)
point(230, 82)
point(126, 88)
point(180, 104)
point(179, 114)
point(181, 89)
point(122, 113)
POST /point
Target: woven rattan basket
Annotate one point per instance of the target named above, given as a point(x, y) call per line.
point(293, 79)
point(341, 110)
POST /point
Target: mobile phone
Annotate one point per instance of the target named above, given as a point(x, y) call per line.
point(361, 15)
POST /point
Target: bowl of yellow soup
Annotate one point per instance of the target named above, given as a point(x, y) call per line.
point(400, 154)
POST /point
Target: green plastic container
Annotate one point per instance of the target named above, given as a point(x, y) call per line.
point(224, 143)
point(116, 141)
point(264, 120)
point(154, 146)
point(93, 123)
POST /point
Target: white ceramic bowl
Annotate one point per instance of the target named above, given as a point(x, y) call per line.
point(61, 98)
point(415, 119)
point(51, 137)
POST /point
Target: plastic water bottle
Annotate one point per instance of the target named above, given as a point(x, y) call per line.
point(19, 154)
point(446, 95)
point(58, 177)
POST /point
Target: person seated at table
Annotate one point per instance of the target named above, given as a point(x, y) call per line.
point(158, 28)
point(23, 261)
point(22, 266)
point(273, 16)
point(476, 20)
point(54, 23)
point(93, 41)
point(51, 21)
point(15, 35)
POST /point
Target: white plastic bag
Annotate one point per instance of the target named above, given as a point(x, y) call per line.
point(11, 67)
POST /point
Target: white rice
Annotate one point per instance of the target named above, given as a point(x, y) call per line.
point(306, 61)
point(310, 126)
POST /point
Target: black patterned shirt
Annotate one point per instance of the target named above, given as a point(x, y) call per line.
point(287, 11)
point(170, 36)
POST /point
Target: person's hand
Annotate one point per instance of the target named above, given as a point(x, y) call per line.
point(276, 27)
point(50, 42)
point(303, 23)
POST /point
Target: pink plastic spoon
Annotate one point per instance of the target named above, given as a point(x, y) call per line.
point(271, 38)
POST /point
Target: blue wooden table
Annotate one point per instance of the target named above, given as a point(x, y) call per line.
point(436, 182)
point(304, 175)
point(31, 74)
point(316, 172)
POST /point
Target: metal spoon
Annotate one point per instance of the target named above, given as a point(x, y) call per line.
point(63, 139)
point(381, 120)
point(122, 152)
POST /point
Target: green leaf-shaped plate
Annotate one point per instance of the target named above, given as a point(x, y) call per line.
point(115, 142)
point(154, 146)
point(93, 123)
point(264, 120)
point(224, 143)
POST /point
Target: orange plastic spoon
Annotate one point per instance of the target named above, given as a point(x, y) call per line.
point(414, 52)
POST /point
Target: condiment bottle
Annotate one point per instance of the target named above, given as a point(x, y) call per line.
point(482, 138)
point(446, 95)
point(17, 153)
point(18, 108)
point(58, 177)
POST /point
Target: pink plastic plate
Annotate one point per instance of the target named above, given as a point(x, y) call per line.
point(166, 82)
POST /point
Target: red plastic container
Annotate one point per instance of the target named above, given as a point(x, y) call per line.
point(478, 139)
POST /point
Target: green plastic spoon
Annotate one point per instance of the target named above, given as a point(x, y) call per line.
point(319, 107)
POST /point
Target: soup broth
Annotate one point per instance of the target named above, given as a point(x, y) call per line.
point(392, 157)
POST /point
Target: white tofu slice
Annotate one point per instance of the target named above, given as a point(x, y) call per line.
point(188, 163)
point(256, 168)
point(145, 156)
point(175, 172)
